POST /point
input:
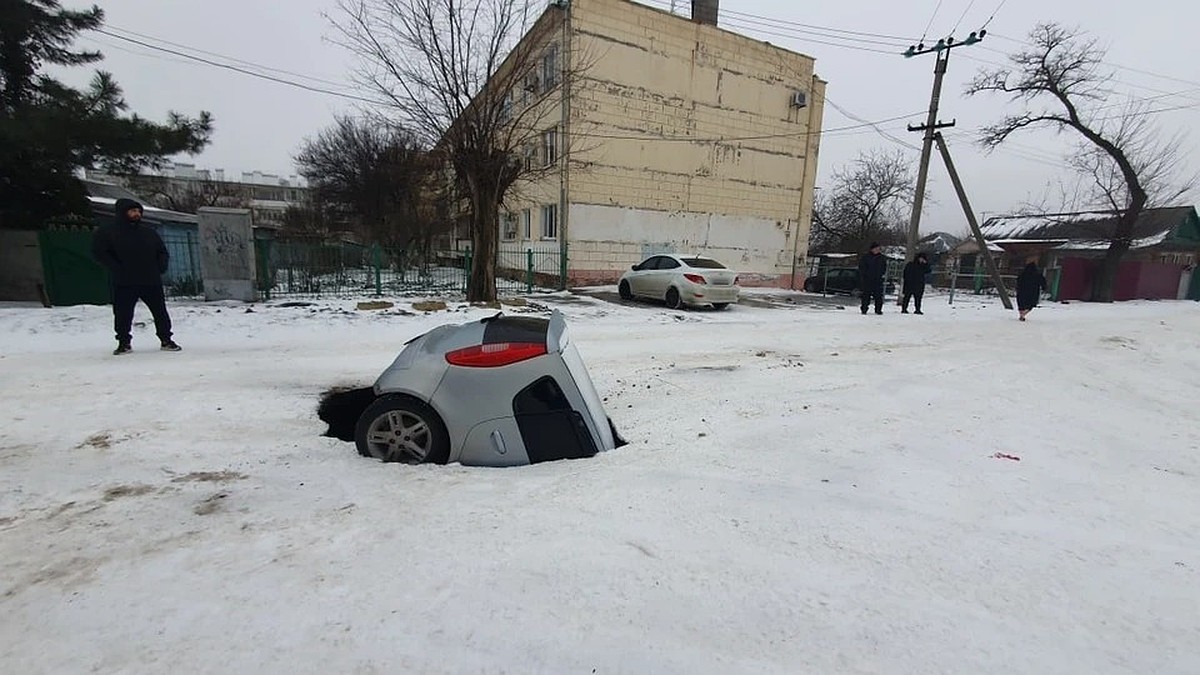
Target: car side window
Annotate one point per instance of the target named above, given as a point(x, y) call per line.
point(665, 263)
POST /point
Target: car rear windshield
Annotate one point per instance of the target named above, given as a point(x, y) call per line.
point(703, 263)
point(515, 329)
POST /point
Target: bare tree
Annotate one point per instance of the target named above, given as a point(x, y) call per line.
point(1126, 163)
point(866, 202)
point(476, 80)
point(374, 174)
point(188, 196)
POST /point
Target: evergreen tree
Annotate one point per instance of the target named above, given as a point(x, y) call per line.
point(48, 131)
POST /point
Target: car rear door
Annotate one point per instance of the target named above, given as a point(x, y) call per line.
point(663, 275)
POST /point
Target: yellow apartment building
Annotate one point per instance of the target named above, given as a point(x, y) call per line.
point(669, 134)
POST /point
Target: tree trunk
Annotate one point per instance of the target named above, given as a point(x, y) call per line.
point(481, 287)
point(1106, 281)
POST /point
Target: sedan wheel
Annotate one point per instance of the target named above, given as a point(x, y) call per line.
point(623, 290)
point(400, 429)
point(673, 299)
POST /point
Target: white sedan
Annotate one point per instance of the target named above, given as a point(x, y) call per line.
point(681, 280)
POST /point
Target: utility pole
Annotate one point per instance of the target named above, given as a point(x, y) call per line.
point(942, 52)
point(993, 270)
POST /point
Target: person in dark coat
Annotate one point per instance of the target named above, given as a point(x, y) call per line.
point(914, 282)
point(1030, 284)
point(136, 259)
point(872, 268)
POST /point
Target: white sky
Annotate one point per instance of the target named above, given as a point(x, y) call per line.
point(259, 124)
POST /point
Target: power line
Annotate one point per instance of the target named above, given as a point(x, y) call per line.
point(1118, 81)
point(1150, 73)
point(128, 50)
point(745, 22)
point(789, 134)
point(763, 31)
point(774, 20)
point(226, 57)
point(244, 71)
point(994, 13)
point(830, 31)
point(929, 25)
point(962, 16)
point(873, 125)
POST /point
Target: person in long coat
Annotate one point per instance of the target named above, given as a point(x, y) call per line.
point(1030, 284)
point(914, 282)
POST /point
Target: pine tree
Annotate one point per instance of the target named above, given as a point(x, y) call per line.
point(48, 131)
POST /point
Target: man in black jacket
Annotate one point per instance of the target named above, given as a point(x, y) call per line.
point(914, 282)
point(136, 259)
point(872, 268)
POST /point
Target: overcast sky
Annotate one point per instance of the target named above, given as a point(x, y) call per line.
point(259, 124)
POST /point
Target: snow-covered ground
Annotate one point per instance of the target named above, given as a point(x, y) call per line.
point(806, 490)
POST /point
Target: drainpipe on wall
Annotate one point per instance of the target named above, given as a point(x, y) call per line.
point(803, 183)
point(564, 207)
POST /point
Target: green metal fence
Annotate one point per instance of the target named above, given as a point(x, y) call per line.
point(296, 268)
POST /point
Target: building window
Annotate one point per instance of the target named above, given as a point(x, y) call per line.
point(530, 157)
point(550, 68)
point(529, 87)
point(550, 221)
point(550, 146)
point(506, 105)
point(508, 226)
point(527, 223)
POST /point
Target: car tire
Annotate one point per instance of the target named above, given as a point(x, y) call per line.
point(673, 299)
point(380, 419)
point(720, 305)
point(623, 291)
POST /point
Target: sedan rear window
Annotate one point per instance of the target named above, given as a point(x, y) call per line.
point(703, 263)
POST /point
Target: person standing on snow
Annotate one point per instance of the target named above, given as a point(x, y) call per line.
point(872, 268)
point(1030, 284)
point(914, 282)
point(136, 259)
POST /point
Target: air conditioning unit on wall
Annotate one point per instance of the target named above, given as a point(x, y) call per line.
point(799, 100)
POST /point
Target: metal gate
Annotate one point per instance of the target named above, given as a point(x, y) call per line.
point(72, 276)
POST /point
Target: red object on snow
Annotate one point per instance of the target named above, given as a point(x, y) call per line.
point(1001, 455)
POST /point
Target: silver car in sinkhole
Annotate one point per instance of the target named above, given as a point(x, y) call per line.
point(502, 391)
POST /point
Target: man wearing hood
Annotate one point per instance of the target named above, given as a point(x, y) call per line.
point(872, 268)
point(136, 259)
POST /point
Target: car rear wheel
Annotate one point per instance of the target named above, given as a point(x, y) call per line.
point(402, 429)
point(720, 305)
point(673, 299)
point(624, 292)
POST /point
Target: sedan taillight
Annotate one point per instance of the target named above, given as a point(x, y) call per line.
point(695, 278)
point(495, 354)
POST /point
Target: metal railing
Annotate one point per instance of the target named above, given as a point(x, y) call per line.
point(304, 268)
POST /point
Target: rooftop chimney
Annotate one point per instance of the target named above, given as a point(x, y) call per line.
point(705, 11)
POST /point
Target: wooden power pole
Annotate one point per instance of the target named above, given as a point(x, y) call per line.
point(942, 51)
point(993, 270)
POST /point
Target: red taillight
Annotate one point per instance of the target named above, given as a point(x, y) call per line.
point(496, 354)
point(695, 278)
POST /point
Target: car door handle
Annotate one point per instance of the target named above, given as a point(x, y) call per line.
point(498, 442)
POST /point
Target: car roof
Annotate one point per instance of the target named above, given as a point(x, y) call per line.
point(684, 256)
